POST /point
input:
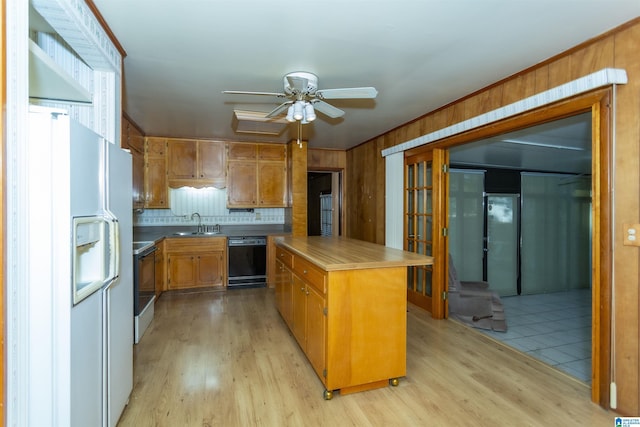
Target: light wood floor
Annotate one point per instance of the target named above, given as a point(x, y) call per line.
point(227, 359)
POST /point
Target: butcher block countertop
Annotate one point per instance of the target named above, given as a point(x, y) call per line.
point(341, 253)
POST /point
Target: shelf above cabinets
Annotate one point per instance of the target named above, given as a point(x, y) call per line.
point(47, 80)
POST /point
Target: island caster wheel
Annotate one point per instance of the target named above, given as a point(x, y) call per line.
point(394, 382)
point(328, 395)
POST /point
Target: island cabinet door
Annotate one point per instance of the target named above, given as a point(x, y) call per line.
point(316, 330)
point(283, 291)
point(299, 311)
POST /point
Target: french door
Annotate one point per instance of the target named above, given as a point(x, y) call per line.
point(425, 227)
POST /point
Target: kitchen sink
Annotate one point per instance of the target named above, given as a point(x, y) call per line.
point(196, 233)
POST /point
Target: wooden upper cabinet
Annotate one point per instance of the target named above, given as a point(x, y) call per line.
point(242, 189)
point(272, 152)
point(256, 175)
point(132, 139)
point(211, 156)
point(272, 183)
point(242, 151)
point(181, 164)
point(155, 173)
point(195, 163)
point(137, 164)
point(156, 147)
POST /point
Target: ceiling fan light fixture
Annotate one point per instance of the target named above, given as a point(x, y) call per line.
point(289, 117)
point(298, 110)
point(309, 113)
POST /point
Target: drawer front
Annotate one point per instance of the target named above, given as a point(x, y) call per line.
point(284, 256)
point(196, 244)
point(310, 274)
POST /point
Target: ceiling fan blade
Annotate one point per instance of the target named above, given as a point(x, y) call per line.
point(279, 109)
point(347, 93)
point(243, 92)
point(327, 109)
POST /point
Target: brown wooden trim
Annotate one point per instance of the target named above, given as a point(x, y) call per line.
point(421, 301)
point(602, 250)
point(132, 122)
point(92, 6)
point(440, 242)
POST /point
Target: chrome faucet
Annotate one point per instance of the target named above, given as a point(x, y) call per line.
point(199, 221)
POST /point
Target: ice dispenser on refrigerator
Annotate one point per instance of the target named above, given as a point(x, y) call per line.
point(93, 255)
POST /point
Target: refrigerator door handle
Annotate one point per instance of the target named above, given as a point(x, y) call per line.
point(114, 249)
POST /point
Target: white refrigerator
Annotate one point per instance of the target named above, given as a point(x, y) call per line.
point(82, 312)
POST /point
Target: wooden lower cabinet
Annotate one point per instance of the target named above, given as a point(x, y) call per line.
point(196, 262)
point(160, 270)
point(350, 324)
point(283, 289)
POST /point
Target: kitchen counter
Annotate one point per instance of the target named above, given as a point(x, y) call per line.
point(339, 253)
point(345, 302)
point(157, 233)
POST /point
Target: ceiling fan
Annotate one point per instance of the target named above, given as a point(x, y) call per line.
point(304, 97)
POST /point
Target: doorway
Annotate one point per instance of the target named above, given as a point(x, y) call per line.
point(536, 238)
point(324, 203)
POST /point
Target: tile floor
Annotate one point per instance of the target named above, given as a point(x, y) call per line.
point(554, 328)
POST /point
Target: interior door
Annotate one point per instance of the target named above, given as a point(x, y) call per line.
point(426, 220)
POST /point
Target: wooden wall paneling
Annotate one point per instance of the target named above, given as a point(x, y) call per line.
point(593, 57)
point(541, 78)
point(627, 207)
point(355, 173)
point(481, 102)
point(365, 171)
point(379, 221)
point(560, 71)
point(520, 86)
point(298, 187)
point(325, 160)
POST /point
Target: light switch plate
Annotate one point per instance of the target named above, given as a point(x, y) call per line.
point(631, 234)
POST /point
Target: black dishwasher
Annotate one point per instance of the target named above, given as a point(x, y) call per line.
point(247, 261)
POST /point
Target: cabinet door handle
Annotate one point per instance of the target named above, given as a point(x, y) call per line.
point(305, 271)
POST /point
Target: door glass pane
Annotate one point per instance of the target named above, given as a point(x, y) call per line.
point(420, 182)
point(410, 178)
point(429, 175)
point(427, 275)
point(410, 201)
point(420, 201)
point(429, 201)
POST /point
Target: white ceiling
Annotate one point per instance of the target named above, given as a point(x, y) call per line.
point(419, 54)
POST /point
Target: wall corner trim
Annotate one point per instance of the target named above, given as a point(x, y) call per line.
point(598, 79)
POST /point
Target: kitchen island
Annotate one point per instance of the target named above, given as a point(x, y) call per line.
point(345, 301)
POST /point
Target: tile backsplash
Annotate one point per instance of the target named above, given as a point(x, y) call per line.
point(210, 203)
